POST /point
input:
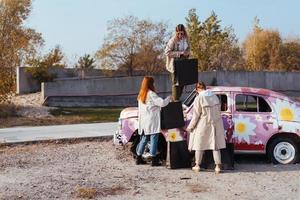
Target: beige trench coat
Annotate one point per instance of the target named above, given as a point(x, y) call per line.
point(173, 51)
point(206, 127)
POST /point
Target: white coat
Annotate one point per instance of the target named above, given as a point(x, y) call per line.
point(206, 126)
point(149, 113)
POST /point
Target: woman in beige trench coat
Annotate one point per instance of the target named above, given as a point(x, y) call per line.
point(206, 127)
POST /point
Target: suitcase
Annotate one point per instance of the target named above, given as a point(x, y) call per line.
point(180, 156)
point(186, 71)
point(172, 116)
point(227, 158)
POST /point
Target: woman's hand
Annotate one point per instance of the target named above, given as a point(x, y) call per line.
point(186, 53)
point(188, 130)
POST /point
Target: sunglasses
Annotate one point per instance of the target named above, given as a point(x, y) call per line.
point(180, 33)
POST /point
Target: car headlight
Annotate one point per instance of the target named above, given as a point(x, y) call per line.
point(120, 124)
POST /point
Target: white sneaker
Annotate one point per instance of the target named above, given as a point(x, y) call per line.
point(217, 169)
point(196, 168)
point(147, 156)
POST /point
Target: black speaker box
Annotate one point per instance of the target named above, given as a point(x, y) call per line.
point(172, 116)
point(186, 71)
point(179, 155)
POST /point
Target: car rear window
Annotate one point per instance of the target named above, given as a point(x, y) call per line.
point(251, 103)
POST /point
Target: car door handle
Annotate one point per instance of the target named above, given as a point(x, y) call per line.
point(268, 122)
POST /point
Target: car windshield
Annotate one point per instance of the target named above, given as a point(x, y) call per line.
point(190, 98)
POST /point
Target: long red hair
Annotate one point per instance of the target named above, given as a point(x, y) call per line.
point(147, 84)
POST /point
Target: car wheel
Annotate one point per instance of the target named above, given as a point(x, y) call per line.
point(283, 151)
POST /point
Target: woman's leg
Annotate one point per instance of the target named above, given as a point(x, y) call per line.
point(217, 157)
point(153, 149)
point(153, 144)
point(198, 157)
point(141, 146)
point(174, 88)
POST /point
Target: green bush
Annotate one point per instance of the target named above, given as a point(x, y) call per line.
point(41, 74)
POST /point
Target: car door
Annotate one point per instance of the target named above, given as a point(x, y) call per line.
point(226, 112)
point(254, 122)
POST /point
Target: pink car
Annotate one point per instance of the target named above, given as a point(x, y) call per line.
point(255, 120)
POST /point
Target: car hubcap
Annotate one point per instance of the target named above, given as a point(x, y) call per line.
point(284, 152)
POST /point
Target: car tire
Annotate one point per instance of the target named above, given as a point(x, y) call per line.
point(283, 150)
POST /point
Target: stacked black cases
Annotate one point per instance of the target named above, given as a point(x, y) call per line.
point(186, 71)
point(172, 116)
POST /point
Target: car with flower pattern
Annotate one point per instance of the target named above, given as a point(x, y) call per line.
point(255, 120)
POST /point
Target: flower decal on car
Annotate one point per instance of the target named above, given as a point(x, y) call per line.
point(172, 136)
point(243, 129)
point(287, 111)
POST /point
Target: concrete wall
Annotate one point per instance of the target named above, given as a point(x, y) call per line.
point(122, 91)
point(26, 83)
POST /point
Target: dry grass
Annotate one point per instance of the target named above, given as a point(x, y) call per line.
point(19, 149)
point(87, 193)
point(197, 188)
point(92, 193)
point(26, 121)
point(8, 110)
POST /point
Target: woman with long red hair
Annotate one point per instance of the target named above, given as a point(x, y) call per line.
point(149, 104)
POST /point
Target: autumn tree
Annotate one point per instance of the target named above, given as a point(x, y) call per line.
point(133, 44)
point(17, 43)
point(215, 48)
point(290, 56)
point(39, 67)
point(262, 48)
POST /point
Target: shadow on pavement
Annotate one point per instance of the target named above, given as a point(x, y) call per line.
point(260, 163)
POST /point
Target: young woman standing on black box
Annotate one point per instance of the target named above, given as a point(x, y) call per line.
point(177, 47)
point(206, 127)
point(149, 105)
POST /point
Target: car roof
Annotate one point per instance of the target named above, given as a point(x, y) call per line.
point(259, 91)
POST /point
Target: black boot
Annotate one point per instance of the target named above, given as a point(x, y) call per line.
point(155, 161)
point(139, 160)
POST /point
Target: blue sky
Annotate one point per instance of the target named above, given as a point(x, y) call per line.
point(79, 26)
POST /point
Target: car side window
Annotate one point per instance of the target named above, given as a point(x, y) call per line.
point(223, 101)
point(251, 103)
point(246, 103)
